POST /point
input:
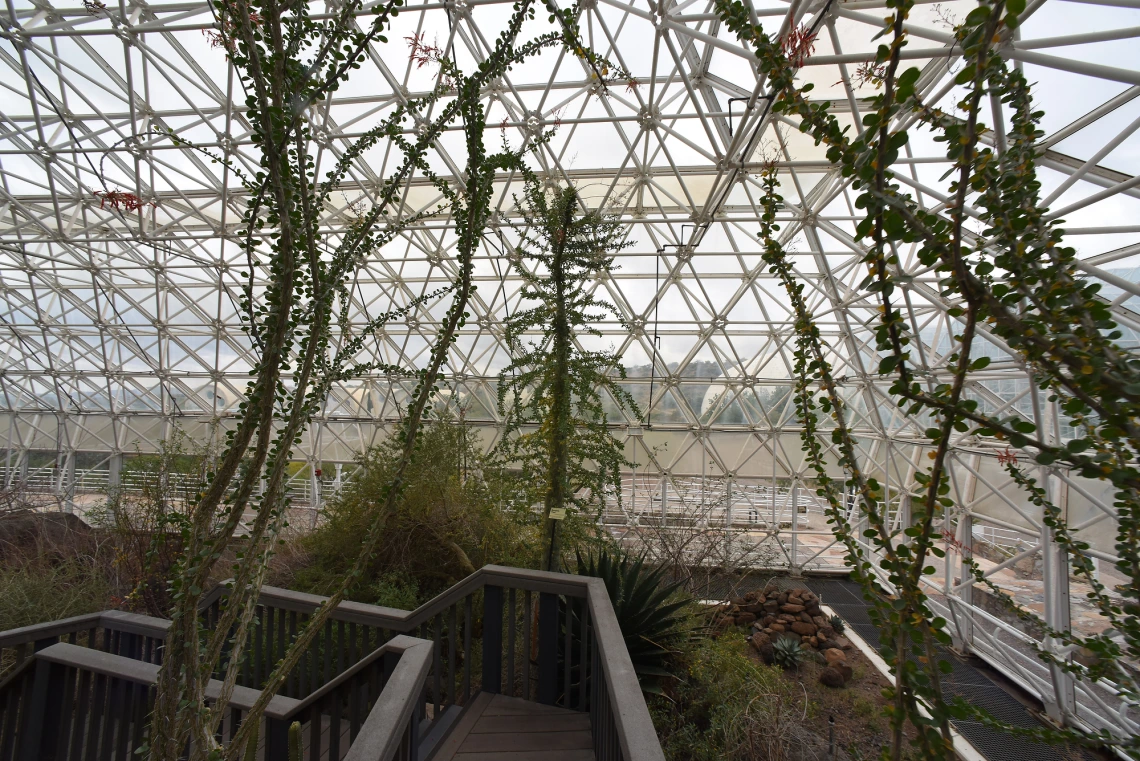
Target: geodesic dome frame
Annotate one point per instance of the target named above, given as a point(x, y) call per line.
point(119, 272)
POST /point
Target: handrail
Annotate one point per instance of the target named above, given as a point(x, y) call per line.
point(581, 661)
point(46, 703)
point(634, 727)
point(391, 724)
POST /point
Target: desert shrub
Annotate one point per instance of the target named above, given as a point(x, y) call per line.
point(730, 706)
point(40, 592)
point(144, 517)
point(455, 516)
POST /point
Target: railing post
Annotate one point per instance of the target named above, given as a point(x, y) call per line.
point(547, 648)
point(277, 740)
point(40, 735)
point(492, 639)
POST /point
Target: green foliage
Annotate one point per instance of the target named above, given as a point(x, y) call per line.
point(728, 706)
point(553, 384)
point(455, 515)
point(39, 592)
point(837, 623)
point(650, 611)
point(146, 517)
point(286, 60)
point(787, 653)
point(1017, 280)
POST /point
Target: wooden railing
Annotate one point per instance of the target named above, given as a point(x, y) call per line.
point(111, 631)
point(72, 702)
point(544, 637)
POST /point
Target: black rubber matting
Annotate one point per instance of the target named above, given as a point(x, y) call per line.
point(845, 597)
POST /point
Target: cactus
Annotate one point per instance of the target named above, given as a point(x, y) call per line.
point(295, 741)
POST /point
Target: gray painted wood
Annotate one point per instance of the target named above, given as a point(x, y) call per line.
point(512, 729)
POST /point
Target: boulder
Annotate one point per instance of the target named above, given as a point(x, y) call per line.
point(783, 598)
point(802, 629)
point(755, 608)
point(819, 621)
point(767, 620)
point(776, 627)
point(813, 641)
point(790, 607)
point(759, 639)
point(843, 642)
point(844, 671)
point(767, 653)
point(744, 618)
point(831, 677)
point(834, 655)
point(806, 618)
point(772, 605)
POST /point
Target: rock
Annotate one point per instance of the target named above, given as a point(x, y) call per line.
point(772, 606)
point(745, 618)
point(843, 642)
point(767, 620)
point(767, 653)
point(813, 608)
point(755, 608)
point(827, 631)
point(802, 629)
point(844, 671)
point(776, 627)
point(783, 598)
point(834, 655)
point(1085, 657)
point(784, 618)
point(759, 639)
point(791, 608)
point(813, 641)
point(806, 619)
point(819, 621)
point(831, 677)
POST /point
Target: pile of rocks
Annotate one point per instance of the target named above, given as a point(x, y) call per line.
point(772, 614)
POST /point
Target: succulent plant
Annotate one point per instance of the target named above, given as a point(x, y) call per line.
point(837, 624)
point(787, 653)
point(649, 610)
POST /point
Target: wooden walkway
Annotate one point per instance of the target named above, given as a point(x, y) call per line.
point(497, 728)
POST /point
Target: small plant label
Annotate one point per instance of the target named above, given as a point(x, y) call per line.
point(557, 513)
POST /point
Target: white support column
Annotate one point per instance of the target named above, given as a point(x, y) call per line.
point(1055, 573)
point(795, 553)
point(115, 470)
point(66, 484)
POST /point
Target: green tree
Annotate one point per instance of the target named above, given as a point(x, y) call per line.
point(288, 60)
point(554, 385)
point(1015, 279)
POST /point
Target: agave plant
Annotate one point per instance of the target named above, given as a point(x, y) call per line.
point(787, 653)
point(648, 608)
point(837, 624)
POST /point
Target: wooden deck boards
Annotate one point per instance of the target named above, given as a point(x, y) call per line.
point(511, 729)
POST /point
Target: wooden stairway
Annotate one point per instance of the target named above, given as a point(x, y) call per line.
point(498, 728)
